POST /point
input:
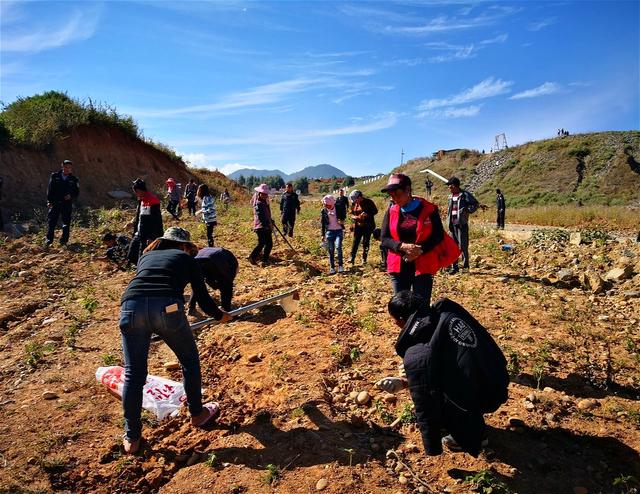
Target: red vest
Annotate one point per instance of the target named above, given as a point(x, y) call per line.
point(442, 255)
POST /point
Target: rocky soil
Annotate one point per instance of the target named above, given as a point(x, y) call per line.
point(300, 412)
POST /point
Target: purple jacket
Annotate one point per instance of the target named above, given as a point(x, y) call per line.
point(261, 215)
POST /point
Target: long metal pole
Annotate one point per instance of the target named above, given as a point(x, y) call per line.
point(245, 308)
point(284, 238)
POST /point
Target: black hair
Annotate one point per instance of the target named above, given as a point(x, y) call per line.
point(376, 233)
point(138, 184)
point(108, 237)
point(498, 191)
point(288, 183)
point(404, 303)
point(203, 191)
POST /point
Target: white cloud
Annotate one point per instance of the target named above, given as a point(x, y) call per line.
point(537, 26)
point(453, 52)
point(229, 168)
point(501, 38)
point(80, 26)
point(486, 89)
point(542, 90)
point(259, 95)
point(461, 53)
point(451, 112)
point(283, 138)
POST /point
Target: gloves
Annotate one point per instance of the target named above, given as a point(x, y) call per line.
point(392, 384)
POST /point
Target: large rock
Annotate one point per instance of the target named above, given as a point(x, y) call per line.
point(119, 195)
point(592, 281)
point(575, 238)
point(619, 274)
point(565, 275)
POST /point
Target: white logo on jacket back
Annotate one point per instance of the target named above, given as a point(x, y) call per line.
point(461, 333)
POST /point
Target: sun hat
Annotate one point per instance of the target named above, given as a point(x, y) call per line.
point(328, 200)
point(354, 194)
point(177, 234)
point(263, 188)
point(397, 181)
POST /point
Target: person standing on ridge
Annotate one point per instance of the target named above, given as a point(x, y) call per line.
point(289, 206)
point(461, 205)
point(363, 212)
point(501, 207)
point(147, 224)
point(190, 195)
point(428, 185)
point(63, 188)
point(225, 198)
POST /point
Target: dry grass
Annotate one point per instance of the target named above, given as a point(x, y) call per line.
point(603, 217)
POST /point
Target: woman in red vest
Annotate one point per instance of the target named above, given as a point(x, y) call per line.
point(413, 234)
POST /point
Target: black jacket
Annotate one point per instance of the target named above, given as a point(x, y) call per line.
point(59, 188)
point(500, 203)
point(342, 205)
point(219, 266)
point(165, 273)
point(451, 362)
point(367, 218)
point(289, 204)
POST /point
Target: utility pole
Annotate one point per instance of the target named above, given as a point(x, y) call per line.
point(402, 157)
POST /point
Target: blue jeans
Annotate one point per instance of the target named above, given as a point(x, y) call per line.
point(139, 318)
point(407, 280)
point(334, 241)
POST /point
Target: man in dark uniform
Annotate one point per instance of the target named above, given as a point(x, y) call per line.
point(501, 207)
point(64, 187)
point(289, 206)
point(428, 185)
point(342, 206)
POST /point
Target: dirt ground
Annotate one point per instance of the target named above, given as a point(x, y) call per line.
point(289, 422)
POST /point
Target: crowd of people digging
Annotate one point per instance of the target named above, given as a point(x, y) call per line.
point(454, 370)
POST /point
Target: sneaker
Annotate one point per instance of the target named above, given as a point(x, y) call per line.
point(340, 269)
point(452, 444)
point(252, 260)
point(332, 271)
point(452, 271)
point(209, 412)
point(131, 447)
point(48, 244)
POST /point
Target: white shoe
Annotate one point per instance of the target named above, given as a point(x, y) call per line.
point(340, 269)
point(332, 271)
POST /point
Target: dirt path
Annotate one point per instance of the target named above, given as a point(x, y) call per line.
point(289, 419)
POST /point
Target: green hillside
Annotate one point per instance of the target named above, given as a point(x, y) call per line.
point(541, 172)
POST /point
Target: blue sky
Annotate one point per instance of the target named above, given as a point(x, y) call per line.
point(291, 84)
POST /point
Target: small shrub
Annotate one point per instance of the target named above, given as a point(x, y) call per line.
point(485, 483)
point(272, 474)
point(109, 359)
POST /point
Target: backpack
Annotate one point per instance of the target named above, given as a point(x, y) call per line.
point(479, 358)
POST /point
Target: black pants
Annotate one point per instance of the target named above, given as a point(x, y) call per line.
point(361, 233)
point(54, 213)
point(500, 219)
point(172, 206)
point(191, 205)
point(210, 233)
point(460, 234)
point(264, 242)
point(383, 257)
point(288, 221)
point(406, 279)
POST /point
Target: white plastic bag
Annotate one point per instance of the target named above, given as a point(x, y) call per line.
point(161, 396)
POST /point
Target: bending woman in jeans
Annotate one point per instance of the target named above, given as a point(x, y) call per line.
point(417, 246)
point(153, 303)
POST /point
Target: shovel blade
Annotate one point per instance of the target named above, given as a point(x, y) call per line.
point(290, 303)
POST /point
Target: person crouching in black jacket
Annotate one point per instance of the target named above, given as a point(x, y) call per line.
point(454, 371)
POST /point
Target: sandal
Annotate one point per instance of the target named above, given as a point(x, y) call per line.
point(212, 409)
point(131, 447)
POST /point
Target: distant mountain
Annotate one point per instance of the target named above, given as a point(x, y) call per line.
point(318, 171)
point(248, 172)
